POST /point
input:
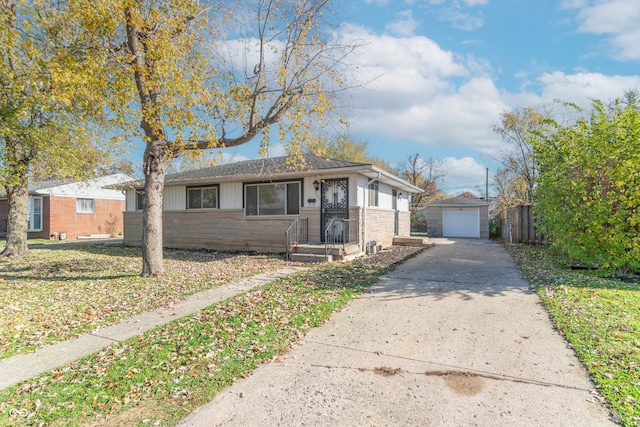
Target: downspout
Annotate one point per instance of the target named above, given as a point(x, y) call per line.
point(364, 212)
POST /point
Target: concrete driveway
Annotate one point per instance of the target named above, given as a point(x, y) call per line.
point(453, 337)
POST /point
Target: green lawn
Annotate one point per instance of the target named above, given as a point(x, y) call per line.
point(161, 376)
point(3, 242)
point(599, 316)
point(59, 292)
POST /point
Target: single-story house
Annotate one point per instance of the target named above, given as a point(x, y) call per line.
point(68, 210)
point(458, 217)
point(250, 205)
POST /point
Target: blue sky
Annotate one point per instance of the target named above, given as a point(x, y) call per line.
point(447, 69)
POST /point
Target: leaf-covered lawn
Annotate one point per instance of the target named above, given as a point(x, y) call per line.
point(161, 376)
point(599, 316)
point(60, 292)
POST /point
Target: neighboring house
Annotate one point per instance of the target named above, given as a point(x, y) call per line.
point(67, 209)
point(250, 205)
point(458, 217)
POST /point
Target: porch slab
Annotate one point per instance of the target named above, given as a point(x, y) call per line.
point(422, 242)
point(308, 257)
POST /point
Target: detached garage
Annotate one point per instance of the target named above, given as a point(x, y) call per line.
point(458, 217)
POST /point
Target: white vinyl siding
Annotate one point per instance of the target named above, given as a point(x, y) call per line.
point(231, 195)
point(174, 198)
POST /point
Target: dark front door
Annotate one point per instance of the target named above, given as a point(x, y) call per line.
point(335, 205)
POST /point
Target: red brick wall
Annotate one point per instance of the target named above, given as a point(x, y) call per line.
point(61, 217)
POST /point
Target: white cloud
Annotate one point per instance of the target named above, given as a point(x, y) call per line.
point(460, 19)
point(404, 25)
point(434, 98)
point(464, 174)
point(425, 94)
point(581, 88)
point(616, 18)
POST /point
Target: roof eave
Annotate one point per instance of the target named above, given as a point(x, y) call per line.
point(368, 170)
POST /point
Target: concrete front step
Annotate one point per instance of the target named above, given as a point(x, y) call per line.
point(304, 257)
point(411, 241)
point(315, 252)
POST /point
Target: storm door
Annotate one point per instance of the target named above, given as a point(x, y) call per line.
point(335, 205)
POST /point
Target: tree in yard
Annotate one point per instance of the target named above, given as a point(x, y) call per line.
point(515, 180)
point(194, 75)
point(41, 131)
point(340, 147)
point(192, 160)
point(588, 196)
point(346, 148)
point(425, 174)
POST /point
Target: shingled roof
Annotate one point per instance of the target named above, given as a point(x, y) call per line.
point(458, 202)
point(261, 168)
point(277, 168)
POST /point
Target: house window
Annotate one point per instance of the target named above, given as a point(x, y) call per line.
point(35, 214)
point(139, 200)
point(272, 199)
point(373, 194)
point(84, 205)
point(202, 198)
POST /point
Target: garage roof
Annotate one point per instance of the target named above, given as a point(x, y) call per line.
point(458, 202)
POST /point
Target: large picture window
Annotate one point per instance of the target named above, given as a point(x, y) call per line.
point(84, 205)
point(272, 199)
point(202, 198)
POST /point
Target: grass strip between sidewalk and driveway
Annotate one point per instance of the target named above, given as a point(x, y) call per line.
point(161, 376)
point(600, 318)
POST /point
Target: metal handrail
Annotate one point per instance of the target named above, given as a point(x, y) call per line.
point(291, 236)
point(348, 233)
point(328, 243)
point(296, 233)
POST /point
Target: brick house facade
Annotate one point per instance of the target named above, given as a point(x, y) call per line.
point(250, 205)
point(73, 209)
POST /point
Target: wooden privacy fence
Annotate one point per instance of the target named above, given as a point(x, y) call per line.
point(518, 225)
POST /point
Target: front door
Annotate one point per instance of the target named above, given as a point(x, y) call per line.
point(335, 205)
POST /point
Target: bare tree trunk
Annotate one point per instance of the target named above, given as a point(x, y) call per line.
point(154, 164)
point(17, 219)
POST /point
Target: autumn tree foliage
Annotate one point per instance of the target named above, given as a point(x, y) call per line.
point(515, 179)
point(42, 111)
point(345, 147)
point(194, 75)
point(425, 174)
point(339, 147)
point(588, 194)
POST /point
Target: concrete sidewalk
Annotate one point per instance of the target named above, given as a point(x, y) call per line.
point(25, 366)
point(453, 337)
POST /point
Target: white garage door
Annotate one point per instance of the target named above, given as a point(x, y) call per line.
point(461, 223)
